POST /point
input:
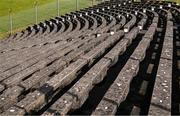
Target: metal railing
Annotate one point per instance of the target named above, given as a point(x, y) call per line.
point(14, 20)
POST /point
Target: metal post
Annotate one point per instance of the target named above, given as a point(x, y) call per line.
point(10, 20)
point(77, 4)
point(36, 10)
point(92, 2)
point(58, 8)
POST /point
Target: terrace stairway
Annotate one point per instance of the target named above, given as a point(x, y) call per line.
point(113, 58)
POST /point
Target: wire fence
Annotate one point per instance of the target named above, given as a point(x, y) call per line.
point(16, 15)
